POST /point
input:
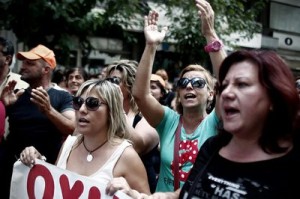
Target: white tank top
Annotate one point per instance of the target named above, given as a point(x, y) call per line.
point(105, 173)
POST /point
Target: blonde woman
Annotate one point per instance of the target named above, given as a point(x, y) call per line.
point(100, 150)
point(145, 138)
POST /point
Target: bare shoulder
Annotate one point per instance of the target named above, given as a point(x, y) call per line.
point(129, 161)
point(129, 154)
point(129, 157)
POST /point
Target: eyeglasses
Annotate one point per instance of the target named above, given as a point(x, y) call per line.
point(298, 84)
point(91, 103)
point(196, 82)
point(114, 80)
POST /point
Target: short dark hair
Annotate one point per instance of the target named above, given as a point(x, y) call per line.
point(8, 47)
point(81, 71)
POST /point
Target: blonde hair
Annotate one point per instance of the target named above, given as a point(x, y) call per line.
point(207, 76)
point(112, 96)
point(128, 69)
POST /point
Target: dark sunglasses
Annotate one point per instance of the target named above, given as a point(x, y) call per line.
point(298, 85)
point(196, 82)
point(114, 80)
point(91, 103)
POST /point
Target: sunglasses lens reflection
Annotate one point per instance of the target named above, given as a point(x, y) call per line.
point(91, 103)
point(77, 103)
point(298, 85)
point(114, 80)
point(196, 82)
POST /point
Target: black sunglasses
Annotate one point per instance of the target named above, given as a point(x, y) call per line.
point(298, 84)
point(91, 103)
point(114, 80)
point(196, 82)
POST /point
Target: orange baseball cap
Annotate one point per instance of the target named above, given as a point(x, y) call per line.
point(39, 52)
point(159, 79)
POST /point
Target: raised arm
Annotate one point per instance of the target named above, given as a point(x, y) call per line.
point(151, 109)
point(207, 17)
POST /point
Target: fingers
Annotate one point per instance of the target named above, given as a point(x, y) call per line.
point(117, 184)
point(9, 88)
point(12, 84)
point(20, 92)
point(39, 94)
point(164, 31)
point(40, 97)
point(206, 15)
point(144, 196)
point(146, 21)
point(204, 7)
point(152, 18)
point(28, 156)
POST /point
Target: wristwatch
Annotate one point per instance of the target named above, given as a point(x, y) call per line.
point(214, 46)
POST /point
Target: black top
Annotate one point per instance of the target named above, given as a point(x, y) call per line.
point(151, 160)
point(28, 126)
point(216, 177)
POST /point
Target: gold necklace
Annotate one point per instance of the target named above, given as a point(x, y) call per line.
point(90, 157)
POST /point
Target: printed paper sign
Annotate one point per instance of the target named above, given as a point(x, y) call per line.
point(47, 181)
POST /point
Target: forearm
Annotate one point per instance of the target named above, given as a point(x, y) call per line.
point(65, 125)
point(142, 81)
point(216, 60)
point(136, 138)
point(216, 57)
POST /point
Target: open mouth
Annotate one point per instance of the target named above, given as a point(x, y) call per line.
point(189, 96)
point(231, 111)
point(83, 120)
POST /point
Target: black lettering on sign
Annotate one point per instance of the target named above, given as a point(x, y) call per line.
point(288, 41)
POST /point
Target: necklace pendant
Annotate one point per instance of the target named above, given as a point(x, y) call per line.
point(89, 157)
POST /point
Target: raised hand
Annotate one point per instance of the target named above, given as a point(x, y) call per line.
point(8, 95)
point(152, 34)
point(40, 97)
point(207, 17)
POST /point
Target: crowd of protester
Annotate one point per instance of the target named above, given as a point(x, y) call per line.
point(230, 134)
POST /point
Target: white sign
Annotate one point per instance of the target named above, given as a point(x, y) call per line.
point(47, 181)
point(287, 41)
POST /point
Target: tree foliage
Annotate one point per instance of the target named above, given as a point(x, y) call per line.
point(65, 24)
point(231, 16)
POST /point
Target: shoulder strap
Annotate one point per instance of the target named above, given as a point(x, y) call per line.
point(176, 155)
point(136, 119)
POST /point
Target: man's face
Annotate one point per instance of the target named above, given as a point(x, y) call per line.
point(32, 70)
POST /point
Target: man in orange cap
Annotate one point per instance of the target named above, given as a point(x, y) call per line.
point(40, 115)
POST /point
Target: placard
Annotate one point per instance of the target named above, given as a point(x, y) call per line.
point(47, 181)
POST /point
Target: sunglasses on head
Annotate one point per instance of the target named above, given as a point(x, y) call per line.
point(91, 103)
point(196, 82)
point(114, 80)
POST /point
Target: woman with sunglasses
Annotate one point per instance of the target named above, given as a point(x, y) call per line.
point(181, 133)
point(100, 150)
point(145, 138)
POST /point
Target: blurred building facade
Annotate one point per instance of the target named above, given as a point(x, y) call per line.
point(281, 32)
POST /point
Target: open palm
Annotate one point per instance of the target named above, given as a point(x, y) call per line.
point(152, 34)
